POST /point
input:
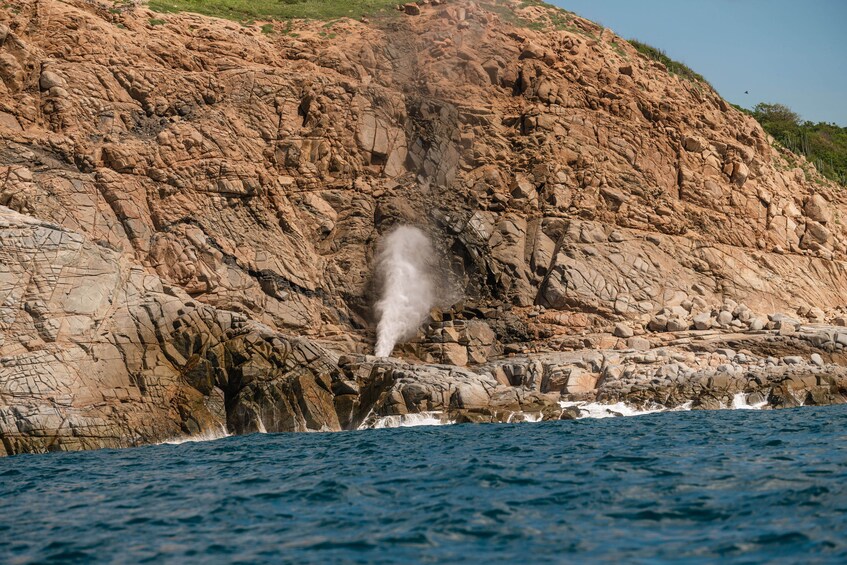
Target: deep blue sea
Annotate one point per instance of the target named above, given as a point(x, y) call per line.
point(692, 487)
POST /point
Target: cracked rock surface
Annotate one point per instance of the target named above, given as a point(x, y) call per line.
point(189, 211)
point(97, 353)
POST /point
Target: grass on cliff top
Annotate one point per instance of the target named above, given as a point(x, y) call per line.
point(242, 10)
point(674, 67)
point(555, 18)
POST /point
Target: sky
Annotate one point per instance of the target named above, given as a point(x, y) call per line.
point(785, 51)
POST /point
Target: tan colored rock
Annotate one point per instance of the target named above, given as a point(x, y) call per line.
point(532, 51)
point(524, 192)
point(815, 233)
point(638, 343)
point(9, 121)
point(693, 144)
point(677, 324)
point(739, 173)
point(50, 80)
point(581, 382)
point(253, 174)
point(817, 209)
point(101, 354)
point(479, 333)
point(658, 324)
point(623, 330)
point(454, 354)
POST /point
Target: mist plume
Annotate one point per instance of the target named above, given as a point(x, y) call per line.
point(406, 272)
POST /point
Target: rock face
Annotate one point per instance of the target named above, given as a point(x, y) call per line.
point(190, 212)
point(94, 352)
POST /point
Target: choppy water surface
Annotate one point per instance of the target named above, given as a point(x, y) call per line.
point(745, 486)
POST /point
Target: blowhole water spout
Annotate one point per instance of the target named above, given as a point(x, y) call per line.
point(406, 270)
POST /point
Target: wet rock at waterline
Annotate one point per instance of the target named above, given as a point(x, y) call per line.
point(106, 355)
point(193, 213)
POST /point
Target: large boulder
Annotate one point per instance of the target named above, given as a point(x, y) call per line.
point(817, 209)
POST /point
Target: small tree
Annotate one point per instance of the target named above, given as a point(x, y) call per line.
point(777, 113)
point(823, 144)
point(781, 122)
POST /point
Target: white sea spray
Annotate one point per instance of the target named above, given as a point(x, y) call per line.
point(405, 269)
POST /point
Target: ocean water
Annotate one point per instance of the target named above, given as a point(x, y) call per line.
point(693, 487)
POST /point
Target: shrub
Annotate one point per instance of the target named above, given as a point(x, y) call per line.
point(823, 144)
point(674, 67)
point(243, 10)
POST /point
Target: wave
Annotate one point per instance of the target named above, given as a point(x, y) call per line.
point(618, 409)
point(208, 435)
point(594, 410)
point(598, 410)
point(741, 402)
point(408, 421)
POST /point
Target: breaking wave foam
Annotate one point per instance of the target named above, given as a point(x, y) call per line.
point(586, 410)
point(598, 410)
point(741, 402)
point(407, 421)
point(208, 435)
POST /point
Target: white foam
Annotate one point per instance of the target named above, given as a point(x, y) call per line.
point(208, 435)
point(404, 265)
point(740, 402)
point(598, 410)
point(406, 421)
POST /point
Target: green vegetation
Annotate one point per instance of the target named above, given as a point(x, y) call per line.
point(287, 30)
point(508, 15)
point(243, 10)
point(555, 18)
point(822, 143)
point(268, 28)
point(674, 67)
point(741, 109)
point(156, 22)
point(619, 49)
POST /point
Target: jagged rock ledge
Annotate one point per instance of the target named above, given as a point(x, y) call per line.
point(94, 352)
point(701, 370)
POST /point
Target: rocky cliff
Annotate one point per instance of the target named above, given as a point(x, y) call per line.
point(190, 209)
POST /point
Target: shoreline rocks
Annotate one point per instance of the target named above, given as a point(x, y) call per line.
point(188, 214)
